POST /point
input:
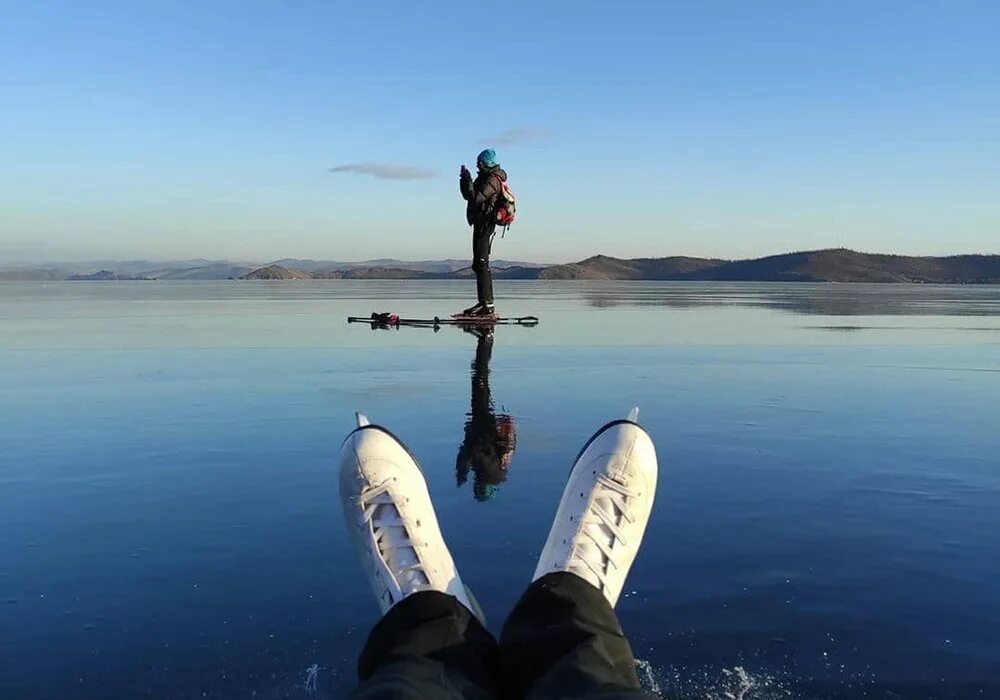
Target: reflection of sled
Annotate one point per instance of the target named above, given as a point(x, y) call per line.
point(387, 320)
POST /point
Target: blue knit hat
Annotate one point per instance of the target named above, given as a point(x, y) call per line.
point(488, 159)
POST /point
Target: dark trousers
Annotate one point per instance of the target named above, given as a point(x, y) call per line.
point(561, 641)
point(482, 235)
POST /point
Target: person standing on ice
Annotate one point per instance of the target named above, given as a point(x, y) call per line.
point(484, 194)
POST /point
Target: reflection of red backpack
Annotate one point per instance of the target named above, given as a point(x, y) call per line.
point(506, 206)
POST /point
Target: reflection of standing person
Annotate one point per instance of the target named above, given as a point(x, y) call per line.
point(489, 439)
point(482, 195)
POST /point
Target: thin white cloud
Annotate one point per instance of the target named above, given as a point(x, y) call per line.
point(385, 171)
point(522, 134)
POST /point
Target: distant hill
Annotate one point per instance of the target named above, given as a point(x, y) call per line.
point(841, 265)
point(516, 272)
point(211, 271)
point(604, 267)
point(104, 276)
point(380, 273)
point(276, 272)
point(838, 265)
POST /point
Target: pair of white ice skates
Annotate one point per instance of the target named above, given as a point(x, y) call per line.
point(596, 533)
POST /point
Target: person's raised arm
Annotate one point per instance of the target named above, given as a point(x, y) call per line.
point(465, 183)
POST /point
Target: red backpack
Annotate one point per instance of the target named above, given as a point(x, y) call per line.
point(506, 206)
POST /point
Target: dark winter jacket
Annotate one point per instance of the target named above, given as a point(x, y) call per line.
point(482, 194)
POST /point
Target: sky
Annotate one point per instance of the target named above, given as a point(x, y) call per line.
point(335, 129)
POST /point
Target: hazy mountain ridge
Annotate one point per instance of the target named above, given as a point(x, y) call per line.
point(277, 272)
point(438, 266)
point(837, 265)
point(203, 269)
point(834, 265)
point(36, 274)
point(605, 267)
point(106, 276)
point(212, 271)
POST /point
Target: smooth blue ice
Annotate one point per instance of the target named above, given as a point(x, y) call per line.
point(826, 524)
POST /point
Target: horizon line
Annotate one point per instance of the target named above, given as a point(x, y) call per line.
point(273, 261)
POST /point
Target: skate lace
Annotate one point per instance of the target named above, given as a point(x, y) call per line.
point(601, 527)
point(392, 539)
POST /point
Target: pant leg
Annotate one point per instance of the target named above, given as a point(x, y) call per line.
point(428, 646)
point(563, 640)
point(481, 236)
